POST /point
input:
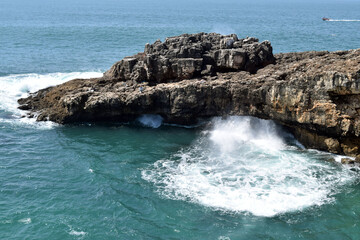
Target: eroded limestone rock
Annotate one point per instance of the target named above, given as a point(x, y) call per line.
point(315, 94)
point(192, 55)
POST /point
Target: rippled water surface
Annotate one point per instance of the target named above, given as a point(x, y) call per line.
point(229, 178)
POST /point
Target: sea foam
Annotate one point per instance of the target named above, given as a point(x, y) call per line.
point(246, 165)
point(18, 86)
point(77, 233)
point(25, 220)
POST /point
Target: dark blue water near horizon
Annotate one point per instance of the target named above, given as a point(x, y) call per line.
point(233, 178)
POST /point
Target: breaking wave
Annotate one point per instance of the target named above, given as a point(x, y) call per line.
point(18, 86)
point(248, 165)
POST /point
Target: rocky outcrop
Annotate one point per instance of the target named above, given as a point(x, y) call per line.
point(315, 94)
point(350, 161)
point(192, 55)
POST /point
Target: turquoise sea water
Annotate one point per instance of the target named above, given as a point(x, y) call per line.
point(234, 178)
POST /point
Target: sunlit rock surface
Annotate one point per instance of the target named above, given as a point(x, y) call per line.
point(315, 94)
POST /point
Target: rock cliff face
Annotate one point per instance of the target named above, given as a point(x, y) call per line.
point(316, 94)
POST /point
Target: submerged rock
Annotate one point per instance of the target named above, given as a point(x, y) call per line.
point(315, 94)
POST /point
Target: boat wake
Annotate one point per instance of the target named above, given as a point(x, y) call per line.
point(17, 86)
point(344, 20)
point(248, 165)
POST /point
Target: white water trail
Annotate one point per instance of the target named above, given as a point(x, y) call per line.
point(344, 20)
point(244, 164)
point(18, 86)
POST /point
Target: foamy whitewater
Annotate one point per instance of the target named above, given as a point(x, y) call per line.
point(236, 178)
point(244, 164)
point(18, 86)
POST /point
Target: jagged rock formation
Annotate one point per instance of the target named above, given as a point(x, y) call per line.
point(316, 94)
point(192, 55)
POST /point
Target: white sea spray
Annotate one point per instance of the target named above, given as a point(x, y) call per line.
point(150, 120)
point(244, 164)
point(18, 86)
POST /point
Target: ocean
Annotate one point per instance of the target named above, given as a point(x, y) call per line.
point(226, 178)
